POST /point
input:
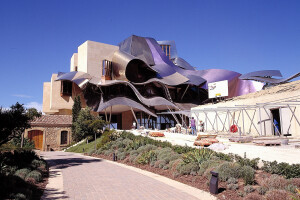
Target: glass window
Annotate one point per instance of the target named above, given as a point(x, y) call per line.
point(66, 88)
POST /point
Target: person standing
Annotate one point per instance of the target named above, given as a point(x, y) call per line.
point(193, 126)
point(201, 124)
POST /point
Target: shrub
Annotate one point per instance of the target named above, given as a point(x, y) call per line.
point(232, 186)
point(226, 157)
point(253, 196)
point(229, 170)
point(146, 157)
point(99, 151)
point(134, 152)
point(291, 188)
point(285, 169)
point(146, 148)
point(198, 156)
point(36, 175)
point(248, 189)
point(208, 164)
point(127, 142)
point(274, 182)
point(232, 181)
point(152, 163)
point(132, 158)
point(247, 173)
point(90, 152)
point(105, 138)
point(246, 161)
point(187, 168)
point(38, 163)
point(19, 196)
point(108, 152)
point(22, 173)
point(121, 155)
point(276, 195)
point(173, 164)
point(160, 164)
point(166, 154)
point(262, 190)
point(296, 182)
point(181, 150)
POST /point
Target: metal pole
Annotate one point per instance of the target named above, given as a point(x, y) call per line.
point(216, 121)
point(243, 121)
point(281, 125)
point(260, 122)
point(137, 123)
point(228, 122)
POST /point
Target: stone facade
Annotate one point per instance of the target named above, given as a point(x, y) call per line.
point(54, 131)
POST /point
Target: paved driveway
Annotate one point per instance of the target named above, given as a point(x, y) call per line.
point(73, 176)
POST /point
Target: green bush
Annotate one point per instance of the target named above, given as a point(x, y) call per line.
point(284, 169)
point(22, 173)
point(232, 186)
point(121, 155)
point(229, 170)
point(208, 164)
point(36, 175)
point(187, 168)
point(246, 161)
point(166, 154)
point(248, 174)
point(108, 152)
point(182, 149)
point(198, 156)
point(232, 181)
point(146, 148)
point(105, 138)
point(146, 157)
point(91, 152)
point(160, 164)
point(226, 157)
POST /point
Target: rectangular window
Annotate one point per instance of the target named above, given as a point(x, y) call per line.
point(66, 88)
point(64, 137)
point(107, 69)
point(167, 50)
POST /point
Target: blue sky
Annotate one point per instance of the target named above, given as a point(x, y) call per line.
point(38, 38)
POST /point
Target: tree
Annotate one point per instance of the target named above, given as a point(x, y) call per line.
point(13, 122)
point(86, 125)
point(75, 110)
point(33, 113)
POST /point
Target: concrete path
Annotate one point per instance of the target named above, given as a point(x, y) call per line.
point(73, 176)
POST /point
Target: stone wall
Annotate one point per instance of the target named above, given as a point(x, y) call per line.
point(52, 137)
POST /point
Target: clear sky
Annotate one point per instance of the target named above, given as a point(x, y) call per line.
point(38, 37)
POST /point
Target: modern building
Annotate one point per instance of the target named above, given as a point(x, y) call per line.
point(136, 81)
